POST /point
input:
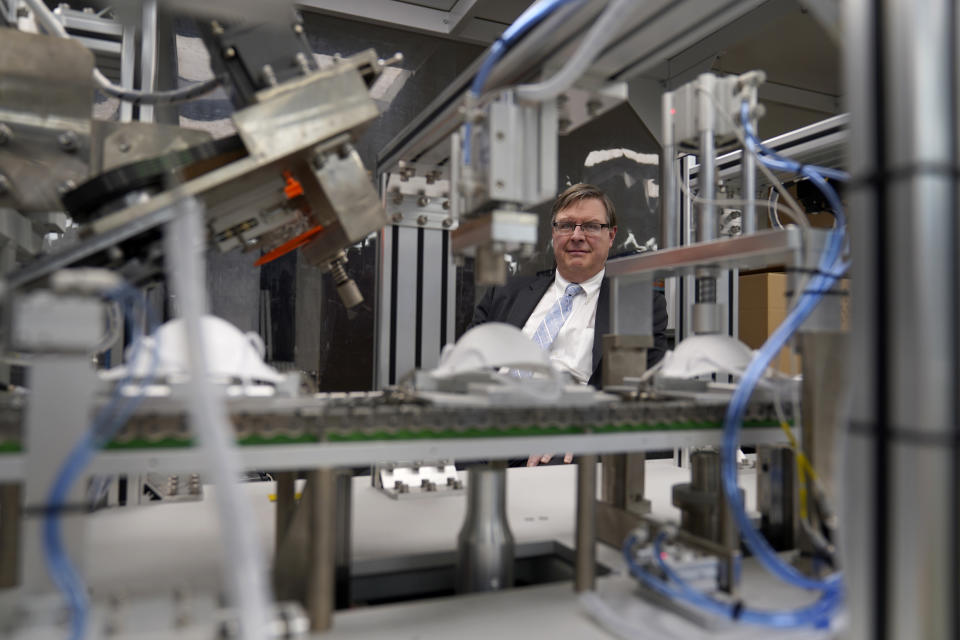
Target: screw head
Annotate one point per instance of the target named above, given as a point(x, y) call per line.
point(298, 28)
point(230, 53)
point(68, 141)
point(447, 223)
point(397, 217)
point(422, 220)
point(423, 201)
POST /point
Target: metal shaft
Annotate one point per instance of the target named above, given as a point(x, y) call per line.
point(148, 55)
point(707, 179)
point(485, 546)
point(669, 188)
point(748, 223)
point(10, 514)
point(321, 489)
point(707, 223)
point(586, 535)
point(344, 530)
point(286, 504)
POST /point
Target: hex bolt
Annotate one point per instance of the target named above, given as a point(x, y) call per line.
point(421, 220)
point(447, 223)
point(593, 107)
point(68, 141)
point(423, 201)
point(302, 62)
point(397, 217)
point(564, 123)
point(6, 134)
point(269, 76)
point(446, 204)
point(397, 198)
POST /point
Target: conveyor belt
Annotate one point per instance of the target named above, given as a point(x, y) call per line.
point(379, 417)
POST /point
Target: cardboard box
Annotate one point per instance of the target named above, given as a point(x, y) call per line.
point(763, 306)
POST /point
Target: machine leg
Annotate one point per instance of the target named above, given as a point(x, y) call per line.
point(10, 515)
point(344, 530)
point(286, 504)
point(586, 523)
point(322, 537)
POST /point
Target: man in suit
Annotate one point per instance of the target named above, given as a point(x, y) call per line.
point(567, 310)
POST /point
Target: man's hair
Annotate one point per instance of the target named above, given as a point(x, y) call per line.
point(583, 191)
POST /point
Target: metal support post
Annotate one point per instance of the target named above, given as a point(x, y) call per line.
point(586, 523)
point(706, 313)
point(748, 222)
point(485, 547)
point(128, 60)
point(148, 54)
point(322, 540)
point(622, 503)
point(344, 531)
point(286, 504)
point(901, 513)
point(669, 188)
point(10, 521)
point(707, 222)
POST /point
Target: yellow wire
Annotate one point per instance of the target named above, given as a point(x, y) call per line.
point(804, 468)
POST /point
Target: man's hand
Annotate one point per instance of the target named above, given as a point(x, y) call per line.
point(533, 461)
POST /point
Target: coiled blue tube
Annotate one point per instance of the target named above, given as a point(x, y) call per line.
point(815, 614)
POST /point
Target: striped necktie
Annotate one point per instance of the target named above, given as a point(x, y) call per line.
point(553, 321)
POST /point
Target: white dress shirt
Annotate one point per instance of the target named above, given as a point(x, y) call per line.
point(572, 350)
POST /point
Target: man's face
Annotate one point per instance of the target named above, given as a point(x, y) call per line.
point(581, 255)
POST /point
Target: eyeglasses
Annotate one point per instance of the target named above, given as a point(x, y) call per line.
point(566, 228)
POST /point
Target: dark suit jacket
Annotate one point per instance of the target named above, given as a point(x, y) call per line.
point(515, 301)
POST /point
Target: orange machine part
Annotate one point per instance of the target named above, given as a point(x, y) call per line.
point(292, 188)
point(289, 246)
